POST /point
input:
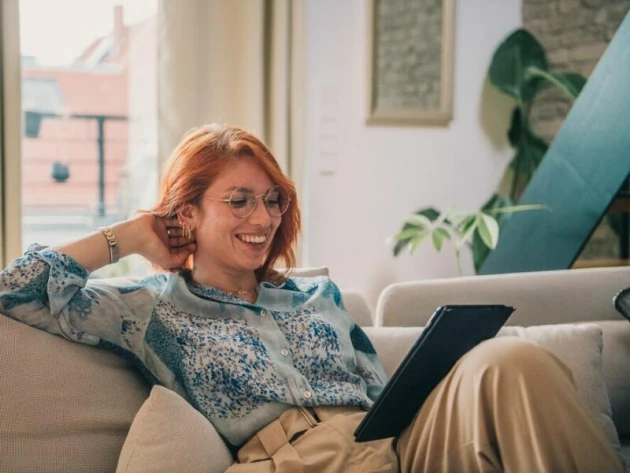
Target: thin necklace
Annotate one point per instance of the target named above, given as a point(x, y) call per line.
point(243, 292)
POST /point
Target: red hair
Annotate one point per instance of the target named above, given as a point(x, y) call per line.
point(198, 160)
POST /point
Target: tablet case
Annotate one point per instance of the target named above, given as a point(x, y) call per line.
point(450, 333)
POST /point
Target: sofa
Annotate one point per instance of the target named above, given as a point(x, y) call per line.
point(67, 407)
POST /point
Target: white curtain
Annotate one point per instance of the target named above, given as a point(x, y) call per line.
point(231, 61)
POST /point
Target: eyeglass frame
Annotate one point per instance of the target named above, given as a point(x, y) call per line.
point(256, 197)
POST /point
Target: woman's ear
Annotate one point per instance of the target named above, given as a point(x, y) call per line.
point(186, 215)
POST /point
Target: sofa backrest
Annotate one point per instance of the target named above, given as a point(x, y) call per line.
point(540, 298)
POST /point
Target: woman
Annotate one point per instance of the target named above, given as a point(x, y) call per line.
point(276, 363)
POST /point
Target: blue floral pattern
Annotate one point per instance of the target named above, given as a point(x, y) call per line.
point(224, 362)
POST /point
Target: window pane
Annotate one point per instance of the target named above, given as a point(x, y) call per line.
point(89, 98)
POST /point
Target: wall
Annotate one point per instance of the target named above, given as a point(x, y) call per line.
point(362, 181)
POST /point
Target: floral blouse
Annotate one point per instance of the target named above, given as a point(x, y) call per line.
point(239, 363)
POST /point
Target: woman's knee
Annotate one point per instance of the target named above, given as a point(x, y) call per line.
point(511, 355)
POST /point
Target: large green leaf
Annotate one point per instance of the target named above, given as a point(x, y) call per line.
point(518, 51)
point(479, 249)
point(416, 240)
point(496, 202)
point(466, 224)
point(439, 235)
point(408, 233)
point(570, 84)
point(488, 230)
point(517, 208)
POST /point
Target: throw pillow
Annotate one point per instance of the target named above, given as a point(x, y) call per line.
point(579, 347)
point(168, 434)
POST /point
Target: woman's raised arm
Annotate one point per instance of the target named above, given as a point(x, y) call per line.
point(159, 241)
point(48, 287)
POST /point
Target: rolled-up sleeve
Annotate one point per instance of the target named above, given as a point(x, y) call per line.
point(51, 291)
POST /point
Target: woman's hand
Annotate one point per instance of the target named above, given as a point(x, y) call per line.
point(162, 241)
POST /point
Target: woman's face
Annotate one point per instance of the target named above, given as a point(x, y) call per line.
point(224, 240)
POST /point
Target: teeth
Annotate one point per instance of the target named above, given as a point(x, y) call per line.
point(252, 238)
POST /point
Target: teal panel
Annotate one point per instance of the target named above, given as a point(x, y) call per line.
point(582, 172)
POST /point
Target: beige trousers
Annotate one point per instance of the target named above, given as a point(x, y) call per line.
point(507, 406)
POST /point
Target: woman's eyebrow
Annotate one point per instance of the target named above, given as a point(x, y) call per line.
point(248, 189)
point(231, 189)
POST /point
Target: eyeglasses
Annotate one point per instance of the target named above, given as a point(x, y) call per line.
point(243, 202)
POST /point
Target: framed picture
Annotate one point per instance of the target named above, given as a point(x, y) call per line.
point(410, 62)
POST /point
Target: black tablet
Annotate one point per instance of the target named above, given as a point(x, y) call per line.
point(451, 332)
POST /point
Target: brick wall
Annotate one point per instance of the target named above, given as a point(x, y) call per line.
point(575, 34)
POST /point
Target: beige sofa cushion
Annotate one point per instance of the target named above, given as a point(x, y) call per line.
point(64, 407)
point(169, 435)
point(580, 347)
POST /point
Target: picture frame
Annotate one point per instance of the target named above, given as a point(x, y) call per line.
point(410, 79)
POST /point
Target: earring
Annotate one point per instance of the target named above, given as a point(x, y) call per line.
point(188, 232)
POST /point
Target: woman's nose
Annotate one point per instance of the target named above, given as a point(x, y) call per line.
point(260, 215)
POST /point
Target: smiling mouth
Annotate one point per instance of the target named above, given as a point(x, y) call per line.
point(253, 239)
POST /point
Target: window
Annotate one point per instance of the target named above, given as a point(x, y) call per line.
point(89, 105)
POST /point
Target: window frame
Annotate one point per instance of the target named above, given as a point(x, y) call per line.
point(10, 133)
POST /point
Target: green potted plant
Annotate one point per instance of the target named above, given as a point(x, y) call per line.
point(461, 228)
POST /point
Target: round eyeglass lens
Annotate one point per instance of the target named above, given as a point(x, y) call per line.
point(242, 202)
point(277, 201)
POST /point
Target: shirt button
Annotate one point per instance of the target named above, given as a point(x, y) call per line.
point(284, 352)
point(307, 394)
point(263, 313)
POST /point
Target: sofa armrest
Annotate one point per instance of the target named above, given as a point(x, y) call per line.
point(540, 298)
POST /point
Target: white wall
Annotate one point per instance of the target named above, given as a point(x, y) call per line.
point(362, 181)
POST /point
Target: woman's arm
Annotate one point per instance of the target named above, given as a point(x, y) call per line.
point(48, 288)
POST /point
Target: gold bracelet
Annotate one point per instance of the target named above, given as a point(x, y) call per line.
point(112, 242)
